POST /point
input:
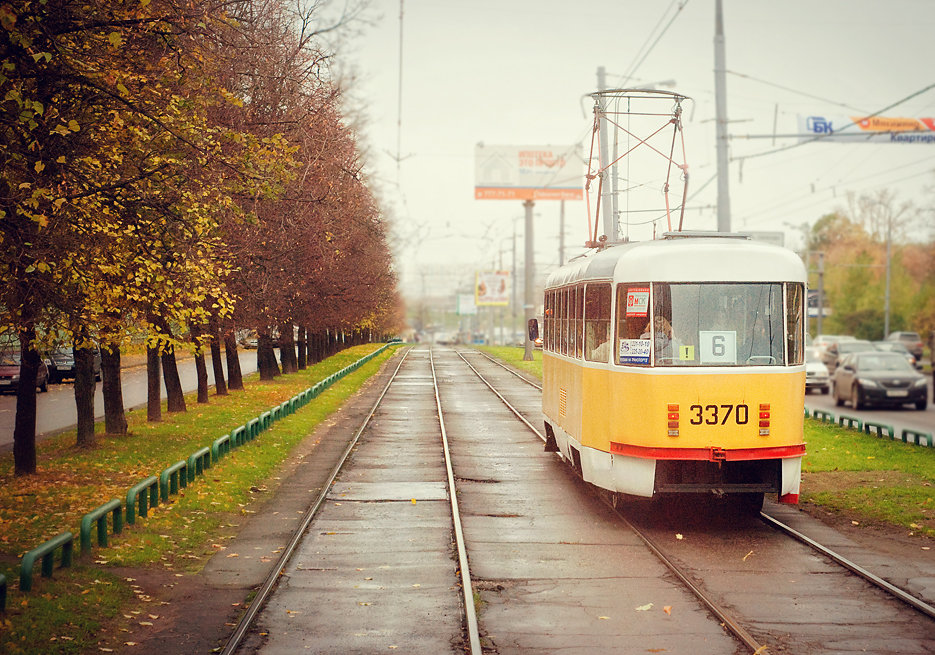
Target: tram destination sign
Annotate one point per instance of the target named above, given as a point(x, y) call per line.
point(528, 173)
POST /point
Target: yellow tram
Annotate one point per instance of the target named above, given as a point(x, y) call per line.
point(676, 365)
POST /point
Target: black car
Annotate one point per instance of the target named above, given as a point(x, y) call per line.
point(879, 378)
point(61, 364)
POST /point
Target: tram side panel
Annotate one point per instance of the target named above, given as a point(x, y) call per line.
point(561, 401)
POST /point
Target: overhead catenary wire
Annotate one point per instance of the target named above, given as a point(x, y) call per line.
point(640, 58)
point(791, 90)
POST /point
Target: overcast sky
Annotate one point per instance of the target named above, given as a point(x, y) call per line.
point(516, 71)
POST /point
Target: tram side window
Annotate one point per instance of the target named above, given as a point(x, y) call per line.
point(552, 325)
point(579, 320)
point(557, 322)
point(795, 323)
point(563, 321)
point(547, 321)
point(553, 330)
point(597, 322)
point(570, 322)
point(631, 346)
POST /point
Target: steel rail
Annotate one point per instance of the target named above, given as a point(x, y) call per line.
point(509, 369)
point(470, 614)
point(246, 621)
point(917, 604)
point(733, 626)
point(910, 600)
point(502, 399)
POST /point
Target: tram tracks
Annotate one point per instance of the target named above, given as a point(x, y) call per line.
point(470, 629)
point(731, 623)
point(718, 611)
point(266, 590)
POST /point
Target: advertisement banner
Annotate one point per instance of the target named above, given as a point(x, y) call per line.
point(466, 306)
point(492, 288)
point(875, 129)
point(528, 173)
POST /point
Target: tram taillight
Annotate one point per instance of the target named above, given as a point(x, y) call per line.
point(673, 417)
point(764, 419)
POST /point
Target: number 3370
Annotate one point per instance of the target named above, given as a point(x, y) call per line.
point(719, 414)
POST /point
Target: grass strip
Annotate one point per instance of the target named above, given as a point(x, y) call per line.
point(65, 613)
point(869, 479)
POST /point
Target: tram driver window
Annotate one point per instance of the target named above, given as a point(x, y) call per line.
point(720, 324)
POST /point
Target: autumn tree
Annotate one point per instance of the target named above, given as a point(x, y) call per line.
point(107, 152)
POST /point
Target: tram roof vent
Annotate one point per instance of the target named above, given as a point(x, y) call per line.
point(704, 234)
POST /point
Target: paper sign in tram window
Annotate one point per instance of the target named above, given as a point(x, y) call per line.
point(718, 346)
point(633, 351)
point(638, 301)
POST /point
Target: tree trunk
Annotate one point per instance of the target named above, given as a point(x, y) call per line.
point(115, 419)
point(220, 387)
point(24, 426)
point(317, 349)
point(153, 387)
point(84, 396)
point(287, 349)
point(175, 399)
point(234, 376)
point(266, 357)
point(303, 348)
point(201, 370)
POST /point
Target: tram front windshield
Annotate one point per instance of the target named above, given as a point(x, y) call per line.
point(710, 324)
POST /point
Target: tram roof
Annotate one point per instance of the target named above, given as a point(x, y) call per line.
point(686, 257)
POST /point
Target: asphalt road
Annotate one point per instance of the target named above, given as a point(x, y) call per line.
point(55, 410)
point(906, 416)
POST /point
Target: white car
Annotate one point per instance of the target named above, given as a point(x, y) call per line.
point(816, 373)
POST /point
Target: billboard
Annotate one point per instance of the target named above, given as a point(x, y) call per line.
point(873, 129)
point(466, 306)
point(492, 288)
point(528, 173)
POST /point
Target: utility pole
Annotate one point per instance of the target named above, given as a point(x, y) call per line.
point(821, 290)
point(561, 234)
point(886, 301)
point(514, 281)
point(607, 193)
point(720, 101)
point(528, 304)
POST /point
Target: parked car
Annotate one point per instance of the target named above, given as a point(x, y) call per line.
point(911, 340)
point(879, 378)
point(824, 342)
point(816, 373)
point(837, 351)
point(899, 347)
point(10, 369)
point(61, 364)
